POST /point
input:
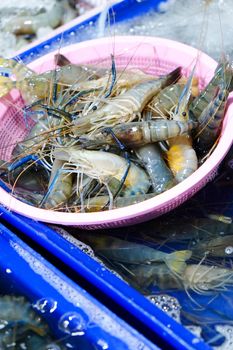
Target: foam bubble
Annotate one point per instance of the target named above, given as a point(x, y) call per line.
point(72, 323)
point(45, 305)
point(168, 304)
point(97, 314)
point(227, 332)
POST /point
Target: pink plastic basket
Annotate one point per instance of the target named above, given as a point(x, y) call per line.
point(154, 55)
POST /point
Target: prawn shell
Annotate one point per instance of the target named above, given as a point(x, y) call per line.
point(161, 176)
point(103, 165)
point(181, 157)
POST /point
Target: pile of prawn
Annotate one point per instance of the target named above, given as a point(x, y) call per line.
point(107, 138)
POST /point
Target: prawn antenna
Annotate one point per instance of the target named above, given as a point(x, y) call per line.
point(125, 154)
point(113, 69)
point(54, 98)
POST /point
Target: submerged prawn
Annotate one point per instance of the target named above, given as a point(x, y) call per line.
point(217, 246)
point(200, 279)
point(125, 252)
point(97, 203)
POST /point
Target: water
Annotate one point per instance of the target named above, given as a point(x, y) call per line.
point(207, 315)
point(21, 327)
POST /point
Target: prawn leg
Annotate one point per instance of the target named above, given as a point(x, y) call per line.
point(60, 186)
point(126, 156)
point(113, 78)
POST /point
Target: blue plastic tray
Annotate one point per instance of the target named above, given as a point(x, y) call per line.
point(71, 312)
point(113, 288)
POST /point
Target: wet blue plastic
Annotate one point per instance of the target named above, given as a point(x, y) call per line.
point(134, 303)
point(122, 11)
point(93, 326)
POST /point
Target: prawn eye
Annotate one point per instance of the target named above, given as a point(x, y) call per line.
point(184, 114)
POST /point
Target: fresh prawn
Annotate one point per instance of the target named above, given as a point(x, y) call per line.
point(161, 176)
point(33, 86)
point(210, 120)
point(104, 167)
point(140, 133)
point(223, 72)
point(181, 156)
point(59, 187)
point(30, 24)
point(97, 203)
point(123, 108)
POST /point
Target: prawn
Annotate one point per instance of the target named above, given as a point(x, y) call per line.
point(164, 104)
point(123, 108)
point(97, 203)
point(217, 246)
point(210, 121)
point(203, 279)
point(140, 133)
point(105, 167)
point(33, 86)
point(198, 278)
point(161, 176)
point(40, 132)
point(222, 72)
point(125, 252)
point(30, 24)
point(59, 187)
point(181, 156)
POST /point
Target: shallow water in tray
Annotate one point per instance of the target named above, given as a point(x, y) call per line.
point(22, 328)
point(181, 262)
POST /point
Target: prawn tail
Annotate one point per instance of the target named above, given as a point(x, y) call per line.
point(172, 77)
point(61, 60)
point(176, 261)
point(6, 85)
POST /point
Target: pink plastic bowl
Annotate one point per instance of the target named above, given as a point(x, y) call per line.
point(154, 55)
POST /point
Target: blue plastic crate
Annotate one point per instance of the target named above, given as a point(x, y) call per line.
point(70, 311)
point(135, 305)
